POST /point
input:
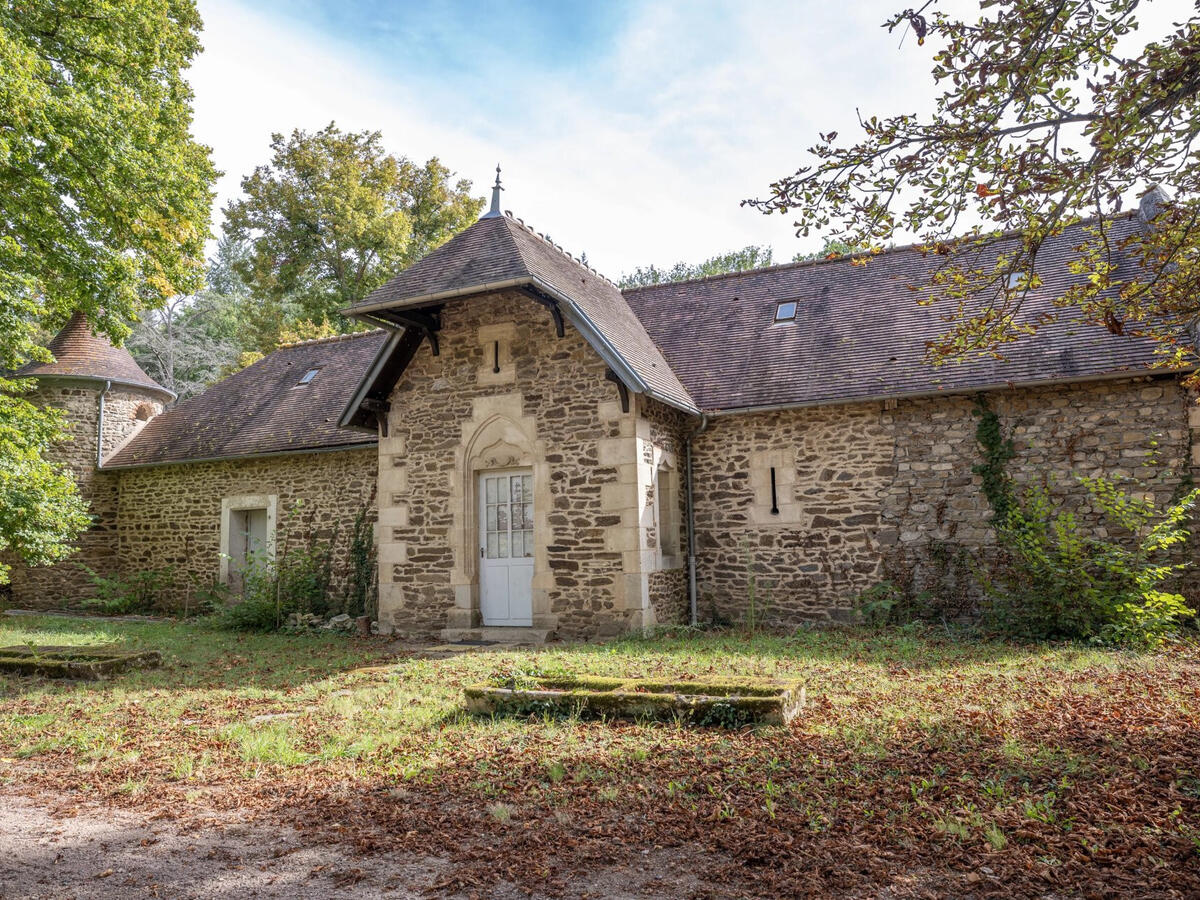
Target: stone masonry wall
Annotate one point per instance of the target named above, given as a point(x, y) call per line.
point(810, 557)
point(869, 492)
point(66, 583)
point(665, 431)
point(549, 408)
point(935, 514)
point(169, 517)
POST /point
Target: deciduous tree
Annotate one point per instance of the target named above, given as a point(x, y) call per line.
point(1048, 113)
point(749, 257)
point(331, 217)
point(104, 207)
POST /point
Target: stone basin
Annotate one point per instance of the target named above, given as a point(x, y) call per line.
point(729, 704)
point(83, 663)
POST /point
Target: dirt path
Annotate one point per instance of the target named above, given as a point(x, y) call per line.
point(61, 851)
point(58, 848)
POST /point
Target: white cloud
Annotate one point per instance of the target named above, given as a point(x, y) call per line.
point(642, 154)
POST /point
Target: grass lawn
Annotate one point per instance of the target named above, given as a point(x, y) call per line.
point(922, 763)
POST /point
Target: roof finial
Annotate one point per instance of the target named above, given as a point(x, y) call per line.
point(494, 212)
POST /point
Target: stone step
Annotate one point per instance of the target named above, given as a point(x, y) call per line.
point(500, 635)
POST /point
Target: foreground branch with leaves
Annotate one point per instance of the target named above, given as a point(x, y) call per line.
point(1050, 113)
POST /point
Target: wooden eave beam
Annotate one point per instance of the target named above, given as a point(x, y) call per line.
point(427, 321)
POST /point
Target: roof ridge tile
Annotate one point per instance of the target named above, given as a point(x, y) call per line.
point(916, 246)
point(330, 339)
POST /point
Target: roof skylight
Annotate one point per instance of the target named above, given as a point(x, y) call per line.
point(308, 377)
point(785, 311)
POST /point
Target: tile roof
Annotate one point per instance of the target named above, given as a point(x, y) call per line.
point(261, 410)
point(859, 333)
point(499, 252)
point(78, 353)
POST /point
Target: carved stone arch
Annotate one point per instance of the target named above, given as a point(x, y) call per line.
point(498, 442)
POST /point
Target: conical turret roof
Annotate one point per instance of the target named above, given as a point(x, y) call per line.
point(78, 353)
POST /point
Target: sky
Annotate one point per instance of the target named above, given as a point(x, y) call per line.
point(629, 130)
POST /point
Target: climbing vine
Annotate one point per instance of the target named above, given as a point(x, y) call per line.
point(997, 451)
point(1104, 574)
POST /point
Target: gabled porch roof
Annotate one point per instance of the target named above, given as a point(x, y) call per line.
point(500, 253)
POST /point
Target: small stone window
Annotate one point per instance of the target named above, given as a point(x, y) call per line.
point(666, 494)
point(786, 311)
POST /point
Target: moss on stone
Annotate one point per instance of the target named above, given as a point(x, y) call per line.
point(83, 663)
point(730, 704)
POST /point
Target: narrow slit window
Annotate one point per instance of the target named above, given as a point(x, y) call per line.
point(785, 311)
point(308, 377)
point(774, 494)
point(495, 357)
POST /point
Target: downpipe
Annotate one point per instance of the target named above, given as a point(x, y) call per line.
point(100, 426)
point(691, 519)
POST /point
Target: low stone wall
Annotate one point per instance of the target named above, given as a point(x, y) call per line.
point(169, 517)
point(885, 491)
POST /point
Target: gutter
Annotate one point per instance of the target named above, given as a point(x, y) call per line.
point(691, 518)
point(426, 299)
point(336, 448)
point(364, 385)
point(950, 392)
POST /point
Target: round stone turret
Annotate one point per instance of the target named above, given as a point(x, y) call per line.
point(107, 398)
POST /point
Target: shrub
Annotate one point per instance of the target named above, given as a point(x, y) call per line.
point(299, 582)
point(1060, 578)
point(139, 592)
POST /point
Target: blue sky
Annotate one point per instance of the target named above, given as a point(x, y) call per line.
point(628, 130)
point(441, 38)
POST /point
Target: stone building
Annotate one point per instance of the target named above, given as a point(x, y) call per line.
point(547, 453)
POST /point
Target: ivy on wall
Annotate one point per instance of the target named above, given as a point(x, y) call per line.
point(997, 451)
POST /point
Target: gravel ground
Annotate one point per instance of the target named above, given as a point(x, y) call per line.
point(58, 848)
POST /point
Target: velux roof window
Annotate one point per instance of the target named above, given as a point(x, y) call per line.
point(785, 311)
point(308, 377)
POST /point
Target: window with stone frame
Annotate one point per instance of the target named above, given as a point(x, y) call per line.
point(247, 535)
point(666, 494)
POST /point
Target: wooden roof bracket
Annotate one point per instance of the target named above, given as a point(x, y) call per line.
point(379, 409)
point(622, 390)
point(428, 323)
point(552, 305)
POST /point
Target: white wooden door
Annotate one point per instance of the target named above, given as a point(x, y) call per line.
point(506, 547)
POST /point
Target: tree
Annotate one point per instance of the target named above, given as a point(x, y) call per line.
point(333, 216)
point(831, 249)
point(749, 257)
point(104, 208)
point(1050, 113)
point(189, 343)
point(194, 340)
